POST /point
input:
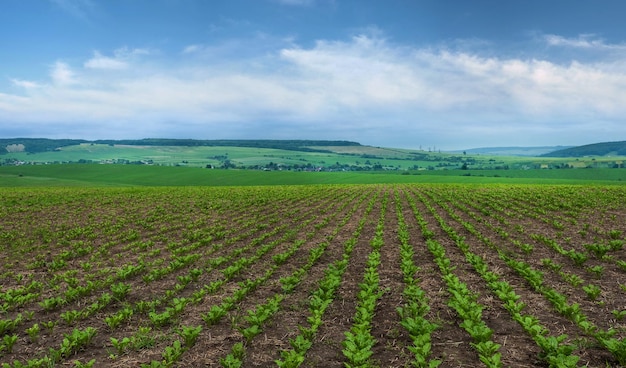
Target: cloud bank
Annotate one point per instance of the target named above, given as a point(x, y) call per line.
point(365, 88)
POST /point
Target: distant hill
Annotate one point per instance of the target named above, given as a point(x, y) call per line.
point(35, 145)
point(269, 155)
point(512, 151)
point(596, 149)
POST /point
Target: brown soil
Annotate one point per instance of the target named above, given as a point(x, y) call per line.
point(42, 238)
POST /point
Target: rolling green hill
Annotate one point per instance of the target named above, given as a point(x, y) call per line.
point(35, 145)
point(596, 149)
point(303, 155)
point(513, 151)
point(285, 156)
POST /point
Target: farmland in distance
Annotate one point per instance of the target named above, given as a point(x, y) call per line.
point(387, 275)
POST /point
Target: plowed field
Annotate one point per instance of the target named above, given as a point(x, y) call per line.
point(314, 276)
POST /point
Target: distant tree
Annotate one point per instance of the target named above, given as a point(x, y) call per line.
point(227, 164)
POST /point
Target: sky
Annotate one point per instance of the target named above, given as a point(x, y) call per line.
point(442, 74)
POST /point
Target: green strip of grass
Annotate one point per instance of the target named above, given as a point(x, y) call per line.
point(138, 175)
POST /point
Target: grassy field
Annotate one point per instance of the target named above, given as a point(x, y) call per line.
point(114, 265)
point(145, 175)
point(202, 156)
point(344, 156)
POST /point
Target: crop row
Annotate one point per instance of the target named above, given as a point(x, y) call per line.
point(357, 276)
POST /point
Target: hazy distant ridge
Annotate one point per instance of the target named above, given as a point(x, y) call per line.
point(596, 149)
point(513, 151)
point(34, 145)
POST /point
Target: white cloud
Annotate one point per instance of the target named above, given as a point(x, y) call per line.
point(364, 88)
point(585, 41)
point(62, 74)
point(99, 61)
point(25, 84)
point(191, 49)
point(121, 59)
point(127, 53)
point(12, 104)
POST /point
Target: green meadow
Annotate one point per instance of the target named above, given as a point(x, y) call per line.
point(203, 155)
point(326, 156)
point(91, 164)
point(146, 175)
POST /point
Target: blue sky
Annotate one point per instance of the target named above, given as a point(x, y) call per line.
point(450, 74)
